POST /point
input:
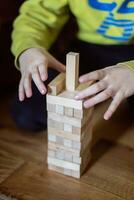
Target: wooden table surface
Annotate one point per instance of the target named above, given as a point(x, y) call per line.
point(110, 175)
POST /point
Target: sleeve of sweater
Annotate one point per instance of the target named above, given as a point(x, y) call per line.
point(38, 24)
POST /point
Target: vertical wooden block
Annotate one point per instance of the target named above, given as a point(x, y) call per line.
point(72, 71)
point(57, 85)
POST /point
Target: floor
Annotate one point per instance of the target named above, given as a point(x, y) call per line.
point(110, 175)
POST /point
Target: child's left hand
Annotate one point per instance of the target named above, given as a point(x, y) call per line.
point(115, 81)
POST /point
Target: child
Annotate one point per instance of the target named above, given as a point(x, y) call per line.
point(104, 40)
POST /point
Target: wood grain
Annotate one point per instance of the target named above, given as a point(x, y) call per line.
point(8, 164)
point(34, 182)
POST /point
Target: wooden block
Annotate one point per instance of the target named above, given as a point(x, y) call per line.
point(68, 172)
point(64, 101)
point(59, 109)
point(51, 138)
point(78, 113)
point(57, 85)
point(77, 159)
point(68, 156)
point(51, 153)
point(59, 140)
point(68, 143)
point(64, 134)
point(68, 94)
point(60, 154)
point(83, 86)
point(76, 130)
point(76, 174)
point(55, 168)
point(55, 124)
point(72, 71)
point(76, 145)
point(54, 146)
point(68, 128)
point(64, 119)
point(51, 107)
point(63, 163)
point(69, 112)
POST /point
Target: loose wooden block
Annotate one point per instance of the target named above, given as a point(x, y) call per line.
point(57, 85)
point(69, 112)
point(68, 128)
point(59, 109)
point(72, 71)
point(83, 86)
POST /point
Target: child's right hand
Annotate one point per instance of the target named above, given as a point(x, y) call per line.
point(34, 63)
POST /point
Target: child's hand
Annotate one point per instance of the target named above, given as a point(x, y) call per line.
point(33, 66)
point(116, 82)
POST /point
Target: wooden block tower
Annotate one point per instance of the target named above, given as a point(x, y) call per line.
point(69, 124)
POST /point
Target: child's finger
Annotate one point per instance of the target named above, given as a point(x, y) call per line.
point(114, 105)
point(38, 82)
point(21, 91)
point(43, 72)
point(27, 86)
point(93, 89)
point(96, 75)
point(97, 99)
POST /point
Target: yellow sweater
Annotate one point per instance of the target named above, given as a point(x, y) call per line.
point(99, 21)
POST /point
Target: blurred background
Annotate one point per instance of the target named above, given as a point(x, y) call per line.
point(9, 76)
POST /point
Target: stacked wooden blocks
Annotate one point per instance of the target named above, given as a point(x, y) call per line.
point(69, 124)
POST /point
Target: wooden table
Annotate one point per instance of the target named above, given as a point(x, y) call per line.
point(110, 176)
